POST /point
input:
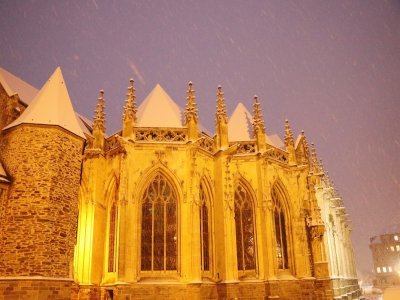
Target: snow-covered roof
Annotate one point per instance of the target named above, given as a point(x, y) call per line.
point(159, 110)
point(275, 140)
point(240, 124)
point(26, 93)
point(298, 140)
point(3, 174)
point(51, 106)
point(240, 127)
point(14, 85)
point(391, 229)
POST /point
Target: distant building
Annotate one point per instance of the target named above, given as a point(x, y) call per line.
point(162, 209)
point(386, 257)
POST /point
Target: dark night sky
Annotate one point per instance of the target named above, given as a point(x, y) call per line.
point(331, 67)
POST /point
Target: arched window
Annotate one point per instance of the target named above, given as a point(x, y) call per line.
point(280, 230)
point(244, 221)
point(112, 232)
point(159, 226)
point(205, 230)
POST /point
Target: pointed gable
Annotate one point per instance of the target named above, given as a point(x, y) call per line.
point(298, 140)
point(14, 85)
point(239, 124)
point(159, 110)
point(51, 106)
point(240, 128)
point(275, 140)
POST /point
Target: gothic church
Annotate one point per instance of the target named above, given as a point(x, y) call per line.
point(162, 209)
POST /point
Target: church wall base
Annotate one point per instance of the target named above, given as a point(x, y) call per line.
point(303, 289)
point(28, 289)
point(346, 288)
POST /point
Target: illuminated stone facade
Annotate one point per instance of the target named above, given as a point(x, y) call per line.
point(165, 211)
point(386, 257)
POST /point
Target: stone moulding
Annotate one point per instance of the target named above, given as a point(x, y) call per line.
point(161, 134)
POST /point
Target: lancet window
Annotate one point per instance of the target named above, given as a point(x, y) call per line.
point(280, 230)
point(112, 233)
point(244, 221)
point(205, 230)
point(159, 226)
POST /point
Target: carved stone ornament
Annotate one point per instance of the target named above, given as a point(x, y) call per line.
point(317, 231)
point(160, 158)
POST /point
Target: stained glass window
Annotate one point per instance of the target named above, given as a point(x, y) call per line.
point(280, 231)
point(159, 226)
point(244, 221)
point(204, 230)
point(111, 238)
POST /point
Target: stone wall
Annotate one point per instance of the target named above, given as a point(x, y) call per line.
point(304, 289)
point(39, 216)
point(28, 289)
point(10, 108)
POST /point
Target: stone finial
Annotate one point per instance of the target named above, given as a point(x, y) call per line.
point(130, 108)
point(99, 121)
point(191, 105)
point(220, 114)
point(221, 121)
point(321, 166)
point(316, 168)
point(258, 121)
point(289, 141)
point(305, 145)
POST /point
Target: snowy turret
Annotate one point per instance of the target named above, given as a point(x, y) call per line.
point(289, 143)
point(221, 121)
point(191, 116)
point(258, 126)
point(99, 123)
point(42, 153)
point(130, 110)
point(51, 106)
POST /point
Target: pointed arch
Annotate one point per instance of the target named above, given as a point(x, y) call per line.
point(150, 173)
point(111, 189)
point(159, 203)
point(281, 219)
point(206, 224)
point(245, 226)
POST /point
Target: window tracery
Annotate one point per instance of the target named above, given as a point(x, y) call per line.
point(112, 237)
point(159, 226)
point(205, 230)
point(280, 231)
point(244, 221)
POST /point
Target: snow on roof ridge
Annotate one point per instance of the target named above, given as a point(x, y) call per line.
point(240, 124)
point(15, 85)
point(299, 137)
point(240, 127)
point(159, 110)
point(391, 229)
point(275, 140)
point(51, 106)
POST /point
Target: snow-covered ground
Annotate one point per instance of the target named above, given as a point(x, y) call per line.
point(392, 293)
